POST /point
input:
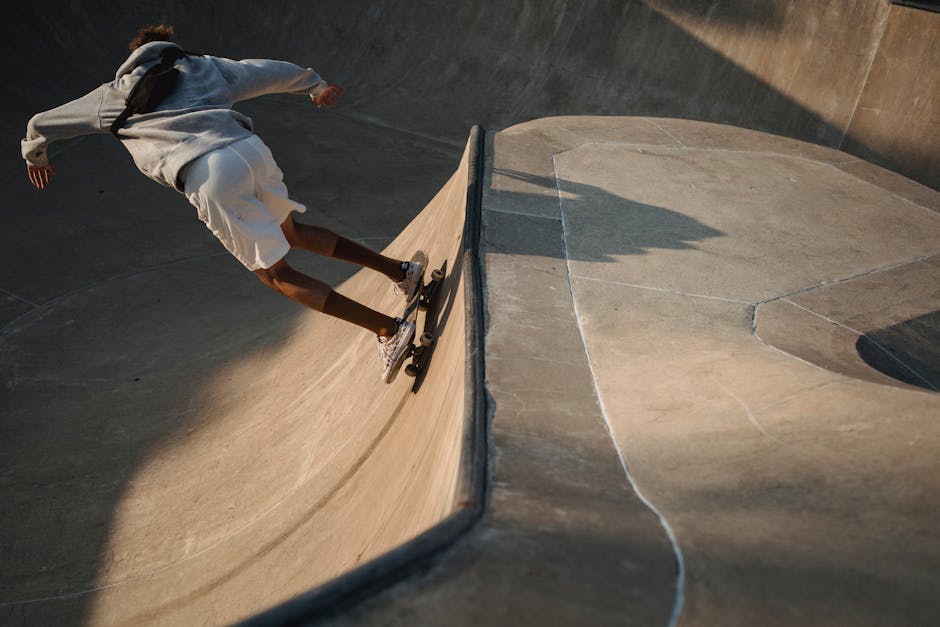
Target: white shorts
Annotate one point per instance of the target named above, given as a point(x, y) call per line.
point(239, 193)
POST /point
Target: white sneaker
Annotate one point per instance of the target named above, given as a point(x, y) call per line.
point(393, 350)
point(414, 275)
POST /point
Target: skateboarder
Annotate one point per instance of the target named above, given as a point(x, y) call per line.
point(192, 140)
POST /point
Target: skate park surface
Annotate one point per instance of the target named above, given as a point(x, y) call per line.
point(710, 355)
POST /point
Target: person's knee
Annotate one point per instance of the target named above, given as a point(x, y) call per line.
point(309, 237)
point(289, 228)
point(295, 285)
point(277, 277)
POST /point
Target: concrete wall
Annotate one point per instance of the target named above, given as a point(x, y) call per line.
point(865, 74)
point(897, 120)
point(860, 75)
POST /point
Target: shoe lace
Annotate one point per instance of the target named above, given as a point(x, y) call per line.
point(385, 349)
point(402, 286)
point(387, 345)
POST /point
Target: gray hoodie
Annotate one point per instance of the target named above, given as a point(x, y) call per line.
point(197, 117)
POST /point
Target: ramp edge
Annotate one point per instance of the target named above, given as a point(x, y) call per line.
point(354, 586)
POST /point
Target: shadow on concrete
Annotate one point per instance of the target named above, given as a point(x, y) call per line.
point(908, 351)
point(601, 226)
point(437, 314)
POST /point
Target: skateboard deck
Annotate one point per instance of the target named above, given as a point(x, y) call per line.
point(427, 301)
point(424, 299)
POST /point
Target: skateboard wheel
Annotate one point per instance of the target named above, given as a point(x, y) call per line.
point(426, 339)
point(437, 274)
point(411, 371)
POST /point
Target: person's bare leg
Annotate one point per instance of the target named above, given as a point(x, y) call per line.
point(322, 241)
point(319, 296)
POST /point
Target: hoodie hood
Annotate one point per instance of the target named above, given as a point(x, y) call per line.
point(145, 54)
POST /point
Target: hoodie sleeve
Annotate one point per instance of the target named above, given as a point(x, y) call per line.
point(256, 77)
point(78, 117)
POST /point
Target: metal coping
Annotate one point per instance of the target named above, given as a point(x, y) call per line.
point(354, 586)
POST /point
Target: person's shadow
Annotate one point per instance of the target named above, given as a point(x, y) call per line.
point(599, 225)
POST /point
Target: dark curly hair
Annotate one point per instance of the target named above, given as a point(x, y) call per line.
point(153, 32)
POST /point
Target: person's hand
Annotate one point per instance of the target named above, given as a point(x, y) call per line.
point(329, 96)
point(40, 176)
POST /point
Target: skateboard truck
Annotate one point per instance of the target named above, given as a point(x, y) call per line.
point(427, 298)
point(425, 340)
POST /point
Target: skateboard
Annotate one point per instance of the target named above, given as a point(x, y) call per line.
point(424, 299)
point(427, 299)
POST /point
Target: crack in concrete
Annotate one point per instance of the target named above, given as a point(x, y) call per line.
point(679, 598)
point(19, 298)
point(751, 417)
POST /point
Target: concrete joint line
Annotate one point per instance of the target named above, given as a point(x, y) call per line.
point(539, 359)
point(661, 289)
point(894, 357)
point(19, 298)
point(670, 534)
point(574, 147)
point(88, 286)
point(638, 145)
point(649, 121)
point(860, 275)
point(522, 213)
point(787, 296)
point(765, 153)
point(836, 164)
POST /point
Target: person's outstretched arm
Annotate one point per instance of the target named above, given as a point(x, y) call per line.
point(73, 119)
point(251, 78)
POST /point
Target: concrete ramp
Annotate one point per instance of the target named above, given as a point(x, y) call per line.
point(290, 465)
